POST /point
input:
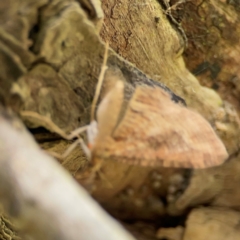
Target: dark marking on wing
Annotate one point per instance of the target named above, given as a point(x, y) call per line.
point(134, 77)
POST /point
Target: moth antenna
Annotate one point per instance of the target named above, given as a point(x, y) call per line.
point(52, 127)
point(100, 81)
point(48, 123)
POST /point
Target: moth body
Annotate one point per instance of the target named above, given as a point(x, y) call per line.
point(92, 131)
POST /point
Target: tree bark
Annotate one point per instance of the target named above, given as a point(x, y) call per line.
point(51, 54)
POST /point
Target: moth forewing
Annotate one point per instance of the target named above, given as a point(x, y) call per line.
point(155, 131)
point(109, 110)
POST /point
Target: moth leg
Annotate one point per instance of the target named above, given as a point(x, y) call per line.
point(65, 154)
point(51, 126)
point(76, 132)
point(70, 149)
point(80, 142)
point(89, 176)
point(85, 148)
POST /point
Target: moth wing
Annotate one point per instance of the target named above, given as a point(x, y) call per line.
point(109, 109)
point(158, 132)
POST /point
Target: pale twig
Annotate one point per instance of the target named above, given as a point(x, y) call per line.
point(38, 193)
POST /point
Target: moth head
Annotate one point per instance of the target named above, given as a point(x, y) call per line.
point(92, 132)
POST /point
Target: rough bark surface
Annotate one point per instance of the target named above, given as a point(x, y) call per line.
point(51, 53)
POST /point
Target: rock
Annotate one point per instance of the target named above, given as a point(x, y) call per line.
point(170, 233)
point(213, 224)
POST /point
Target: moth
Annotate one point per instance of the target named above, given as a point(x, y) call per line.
point(152, 131)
